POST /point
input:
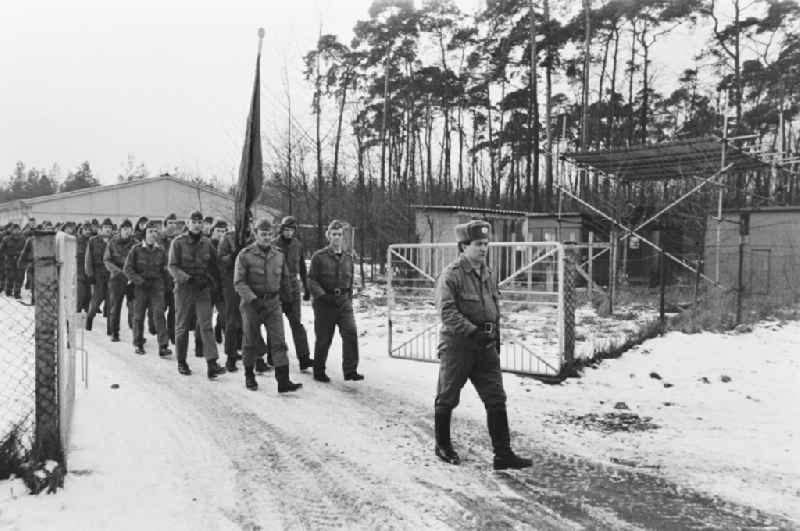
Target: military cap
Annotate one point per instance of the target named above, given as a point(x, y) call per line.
point(171, 216)
point(263, 224)
point(86, 225)
point(336, 224)
point(196, 216)
point(141, 220)
point(289, 222)
point(67, 225)
point(95, 222)
point(107, 221)
point(473, 230)
point(208, 219)
point(14, 226)
point(220, 224)
point(153, 224)
point(126, 223)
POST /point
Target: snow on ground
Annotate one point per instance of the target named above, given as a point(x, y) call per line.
point(173, 452)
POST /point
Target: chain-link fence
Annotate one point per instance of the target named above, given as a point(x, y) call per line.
point(17, 401)
point(37, 347)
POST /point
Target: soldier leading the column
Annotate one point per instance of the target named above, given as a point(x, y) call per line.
point(467, 299)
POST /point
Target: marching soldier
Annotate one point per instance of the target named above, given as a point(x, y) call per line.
point(96, 272)
point(84, 290)
point(467, 299)
point(10, 249)
point(140, 229)
point(193, 266)
point(171, 230)
point(146, 267)
point(330, 280)
point(227, 250)
point(262, 281)
point(292, 249)
point(218, 231)
point(114, 259)
point(208, 226)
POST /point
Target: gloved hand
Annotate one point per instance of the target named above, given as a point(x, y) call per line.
point(306, 295)
point(483, 338)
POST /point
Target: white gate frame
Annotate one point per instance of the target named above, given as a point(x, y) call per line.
point(534, 253)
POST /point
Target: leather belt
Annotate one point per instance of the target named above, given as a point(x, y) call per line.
point(337, 292)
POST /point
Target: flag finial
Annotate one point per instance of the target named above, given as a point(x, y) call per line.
point(261, 33)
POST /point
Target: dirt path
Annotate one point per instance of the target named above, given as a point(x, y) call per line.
point(350, 456)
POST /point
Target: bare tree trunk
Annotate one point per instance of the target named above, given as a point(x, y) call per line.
point(586, 62)
point(612, 104)
point(384, 120)
point(334, 176)
point(645, 84)
point(631, 70)
point(318, 112)
point(548, 127)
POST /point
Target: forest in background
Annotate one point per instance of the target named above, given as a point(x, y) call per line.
point(428, 104)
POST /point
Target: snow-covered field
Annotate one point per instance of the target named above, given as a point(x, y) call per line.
point(683, 431)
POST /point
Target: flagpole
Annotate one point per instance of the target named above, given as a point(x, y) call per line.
point(261, 33)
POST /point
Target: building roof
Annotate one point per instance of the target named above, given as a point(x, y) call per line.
point(763, 209)
point(677, 159)
point(498, 211)
point(17, 203)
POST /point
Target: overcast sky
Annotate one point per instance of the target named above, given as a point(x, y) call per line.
point(165, 81)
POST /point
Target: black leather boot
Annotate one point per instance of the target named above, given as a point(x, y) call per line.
point(250, 378)
point(230, 364)
point(261, 366)
point(444, 447)
point(285, 385)
point(214, 369)
point(504, 457)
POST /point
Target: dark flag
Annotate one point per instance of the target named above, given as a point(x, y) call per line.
point(251, 172)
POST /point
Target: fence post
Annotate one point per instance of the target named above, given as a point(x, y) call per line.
point(569, 260)
point(47, 440)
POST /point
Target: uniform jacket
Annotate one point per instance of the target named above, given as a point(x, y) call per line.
point(295, 256)
point(192, 258)
point(80, 254)
point(260, 271)
point(329, 271)
point(26, 256)
point(11, 247)
point(146, 263)
point(95, 250)
point(465, 298)
point(116, 252)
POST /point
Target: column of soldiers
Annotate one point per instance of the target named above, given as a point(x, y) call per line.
point(175, 277)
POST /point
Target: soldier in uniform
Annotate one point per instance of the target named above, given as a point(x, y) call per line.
point(467, 300)
point(140, 229)
point(330, 280)
point(193, 266)
point(96, 272)
point(227, 250)
point(218, 231)
point(146, 267)
point(84, 294)
point(114, 259)
point(262, 281)
point(294, 257)
point(171, 230)
point(208, 226)
point(10, 250)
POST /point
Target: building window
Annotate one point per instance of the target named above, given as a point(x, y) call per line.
point(760, 271)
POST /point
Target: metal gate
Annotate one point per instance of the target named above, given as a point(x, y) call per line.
point(537, 317)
